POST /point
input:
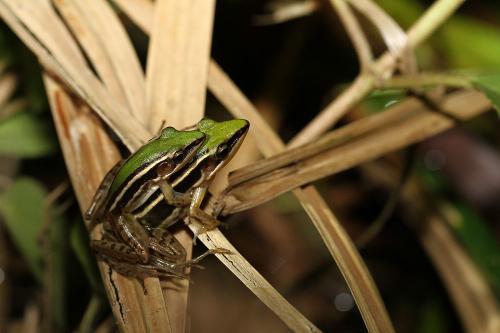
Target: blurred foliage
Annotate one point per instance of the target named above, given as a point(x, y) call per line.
point(24, 135)
point(490, 85)
point(482, 39)
point(470, 228)
point(23, 211)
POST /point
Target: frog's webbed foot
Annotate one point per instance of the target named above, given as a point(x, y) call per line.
point(201, 222)
point(195, 261)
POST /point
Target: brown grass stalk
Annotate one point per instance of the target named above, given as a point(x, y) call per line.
point(82, 138)
point(366, 139)
point(175, 93)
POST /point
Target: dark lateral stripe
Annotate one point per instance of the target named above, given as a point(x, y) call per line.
point(133, 182)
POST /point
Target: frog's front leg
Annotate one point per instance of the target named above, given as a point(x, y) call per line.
point(127, 228)
point(173, 197)
point(205, 221)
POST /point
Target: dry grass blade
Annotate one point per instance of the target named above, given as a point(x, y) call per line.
point(394, 36)
point(92, 46)
point(177, 66)
point(407, 123)
point(82, 138)
point(365, 83)
point(283, 11)
point(175, 90)
point(93, 35)
point(338, 243)
point(61, 62)
point(126, 65)
point(355, 33)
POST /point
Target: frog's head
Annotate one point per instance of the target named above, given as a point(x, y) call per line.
point(223, 140)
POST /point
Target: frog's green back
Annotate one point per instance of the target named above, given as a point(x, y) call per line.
point(170, 140)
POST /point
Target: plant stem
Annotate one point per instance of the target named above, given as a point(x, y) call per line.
point(427, 80)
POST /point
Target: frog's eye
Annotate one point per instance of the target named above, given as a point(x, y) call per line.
point(178, 157)
point(222, 151)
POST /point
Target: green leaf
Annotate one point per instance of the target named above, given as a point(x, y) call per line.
point(490, 85)
point(23, 135)
point(469, 43)
point(22, 207)
point(380, 100)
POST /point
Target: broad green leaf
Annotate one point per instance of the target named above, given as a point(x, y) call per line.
point(490, 85)
point(22, 208)
point(23, 135)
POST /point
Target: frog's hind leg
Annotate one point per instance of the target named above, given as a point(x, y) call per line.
point(164, 243)
point(126, 261)
point(96, 208)
point(142, 271)
point(127, 228)
point(115, 250)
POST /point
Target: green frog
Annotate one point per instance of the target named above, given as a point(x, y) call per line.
point(160, 184)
